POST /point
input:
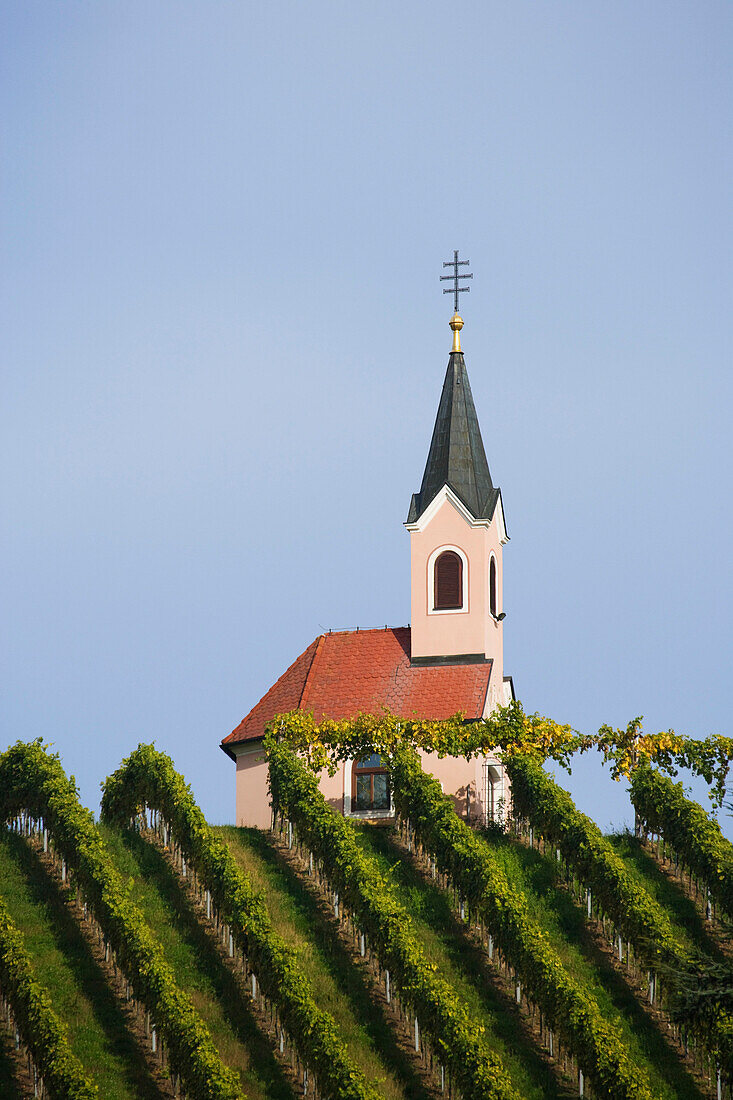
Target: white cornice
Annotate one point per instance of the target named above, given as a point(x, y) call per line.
point(446, 493)
point(500, 522)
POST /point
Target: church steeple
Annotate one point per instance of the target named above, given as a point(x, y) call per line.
point(456, 457)
point(457, 534)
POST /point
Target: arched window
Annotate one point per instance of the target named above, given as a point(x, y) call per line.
point(492, 586)
point(448, 586)
point(370, 784)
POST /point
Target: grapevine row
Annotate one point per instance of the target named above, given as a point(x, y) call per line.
point(148, 780)
point(610, 889)
point(440, 1017)
point(26, 1006)
point(551, 812)
point(468, 862)
point(694, 836)
point(33, 784)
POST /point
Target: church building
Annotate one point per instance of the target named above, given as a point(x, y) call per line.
point(450, 657)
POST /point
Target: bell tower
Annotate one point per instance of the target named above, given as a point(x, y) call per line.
point(457, 536)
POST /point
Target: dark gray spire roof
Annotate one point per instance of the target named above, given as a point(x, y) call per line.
point(457, 457)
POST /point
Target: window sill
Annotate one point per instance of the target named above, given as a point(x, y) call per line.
point(371, 815)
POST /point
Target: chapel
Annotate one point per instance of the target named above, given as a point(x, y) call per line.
point(450, 657)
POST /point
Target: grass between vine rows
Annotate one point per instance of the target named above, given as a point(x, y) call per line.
point(687, 921)
point(197, 966)
point(97, 1029)
point(539, 878)
point(338, 985)
point(461, 964)
point(536, 876)
point(63, 962)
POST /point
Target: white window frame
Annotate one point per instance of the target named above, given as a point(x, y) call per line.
point(432, 610)
point(364, 814)
point(495, 789)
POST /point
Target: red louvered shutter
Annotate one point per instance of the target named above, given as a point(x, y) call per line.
point(448, 581)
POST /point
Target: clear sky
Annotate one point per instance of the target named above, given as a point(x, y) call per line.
point(224, 339)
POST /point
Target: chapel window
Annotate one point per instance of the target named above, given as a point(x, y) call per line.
point(448, 581)
point(492, 586)
point(370, 784)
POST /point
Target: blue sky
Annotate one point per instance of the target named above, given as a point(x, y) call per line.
point(224, 341)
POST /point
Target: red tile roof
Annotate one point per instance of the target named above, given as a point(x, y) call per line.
point(340, 675)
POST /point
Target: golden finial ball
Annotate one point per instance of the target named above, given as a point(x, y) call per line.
point(456, 322)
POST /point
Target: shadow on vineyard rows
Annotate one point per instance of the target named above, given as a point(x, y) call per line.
point(340, 984)
point(116, 1043)
point(584, 955)
point(461, 962)
point(65, 963)
point(672, 892)
point(11, 1070)
point(197, 964)
point(587, 956)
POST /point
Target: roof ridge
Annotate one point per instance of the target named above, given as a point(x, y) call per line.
point(273, 687)
point(306, 681)
point(365, 630)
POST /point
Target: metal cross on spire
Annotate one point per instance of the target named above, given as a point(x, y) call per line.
point(455, 263)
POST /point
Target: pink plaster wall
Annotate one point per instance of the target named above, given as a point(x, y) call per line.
point(472, 629)
point(457, 776)
point(333, 787)
point(252, 796)
point(464, 781)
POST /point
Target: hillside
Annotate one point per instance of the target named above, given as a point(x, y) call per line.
point(67, 964)
point(579, 949)
point(363, 944)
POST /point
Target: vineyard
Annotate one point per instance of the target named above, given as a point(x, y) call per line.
point(150, 955)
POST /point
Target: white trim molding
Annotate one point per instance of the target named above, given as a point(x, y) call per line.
point(446, 493)
point(500, 521)
point(494, 791)
point(463, 609)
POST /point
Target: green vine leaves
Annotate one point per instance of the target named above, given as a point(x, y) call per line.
point(508, 731)
point(626, 750)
